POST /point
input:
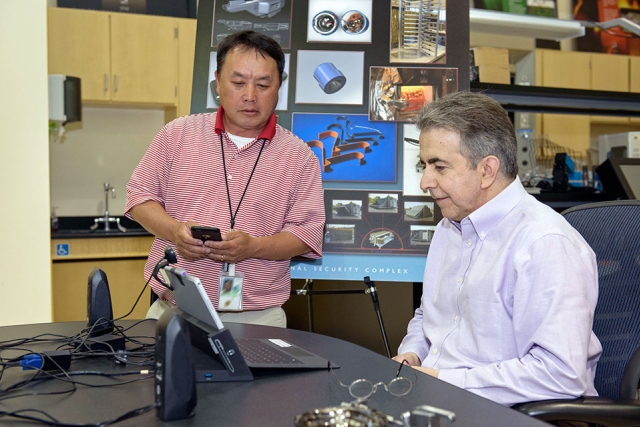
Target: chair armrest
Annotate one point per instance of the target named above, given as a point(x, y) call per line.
point(631, 376)
point(596, 410)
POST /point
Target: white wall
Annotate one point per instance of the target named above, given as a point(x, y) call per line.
point(105, 147)
point(25, 282)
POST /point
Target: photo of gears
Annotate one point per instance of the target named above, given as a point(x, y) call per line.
point(339, 21)
point(273, 17)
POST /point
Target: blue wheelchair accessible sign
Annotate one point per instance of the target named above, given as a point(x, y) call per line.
point(62, 249)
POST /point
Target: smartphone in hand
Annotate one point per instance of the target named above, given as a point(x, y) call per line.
point(206, 233)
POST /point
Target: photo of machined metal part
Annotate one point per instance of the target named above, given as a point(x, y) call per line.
point(271, 26)
point(329, 78)
point(354, 22)
point(271, 17)
point(236, 25)
point(261, 9)
point(349, 147)
point(325, 23)
point(339, 21)
point(354, 130)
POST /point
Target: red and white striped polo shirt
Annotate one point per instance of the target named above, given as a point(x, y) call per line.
point(182, 170)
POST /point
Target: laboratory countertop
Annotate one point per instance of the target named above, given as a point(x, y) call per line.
point(78, 227)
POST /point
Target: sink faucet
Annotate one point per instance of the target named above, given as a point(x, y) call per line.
point(107, 188)
point(106, 219)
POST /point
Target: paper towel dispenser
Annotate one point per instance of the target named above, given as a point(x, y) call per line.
point(64, 99)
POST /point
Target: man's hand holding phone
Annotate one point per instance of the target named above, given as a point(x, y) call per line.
point(209, 234)
point(189, 246)
point(206, 233)
point(235, 248)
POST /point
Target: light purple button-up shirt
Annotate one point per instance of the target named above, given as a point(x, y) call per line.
point(508, 300)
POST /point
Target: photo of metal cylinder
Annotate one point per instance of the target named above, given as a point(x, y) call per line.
point(354, 22)
point(329, 78)
point(325, 23)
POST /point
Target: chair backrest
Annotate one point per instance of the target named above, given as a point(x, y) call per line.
point(612, 229)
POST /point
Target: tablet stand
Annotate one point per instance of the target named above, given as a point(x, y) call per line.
point(222, 360)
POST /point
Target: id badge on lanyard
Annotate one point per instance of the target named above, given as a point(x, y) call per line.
point(229, 282)
point(230, 290)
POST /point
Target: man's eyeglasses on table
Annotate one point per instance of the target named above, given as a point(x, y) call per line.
point(362, 388)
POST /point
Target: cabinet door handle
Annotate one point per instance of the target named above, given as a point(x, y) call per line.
point(115, 82)
point(106, 82)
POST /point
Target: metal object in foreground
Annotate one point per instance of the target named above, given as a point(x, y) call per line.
point(360, 415)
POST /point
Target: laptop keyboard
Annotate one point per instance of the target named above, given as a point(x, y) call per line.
point(255, 351)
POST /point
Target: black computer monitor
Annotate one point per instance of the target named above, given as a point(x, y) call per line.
point(620, 177)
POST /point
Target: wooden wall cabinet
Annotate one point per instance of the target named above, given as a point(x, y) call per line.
point(634, 81)
point(144, 58)
point(121, 258)
point(578, 70)
point(78, 45)
point(121, 58)
point(186, 58)
point(566, 70)
point(610, 73)
point(562, 69)
point(634, 74)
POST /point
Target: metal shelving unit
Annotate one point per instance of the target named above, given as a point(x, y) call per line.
point(540, 99)
point(420, 31)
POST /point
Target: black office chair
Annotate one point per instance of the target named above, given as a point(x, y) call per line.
point(613, 231)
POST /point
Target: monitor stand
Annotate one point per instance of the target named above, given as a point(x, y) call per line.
point(215, 353)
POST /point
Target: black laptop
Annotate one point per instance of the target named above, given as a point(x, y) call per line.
point(267, 353)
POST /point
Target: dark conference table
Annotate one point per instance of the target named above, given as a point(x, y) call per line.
point(273, 398)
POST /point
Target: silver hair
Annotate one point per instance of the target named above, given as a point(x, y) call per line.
point(481, 123)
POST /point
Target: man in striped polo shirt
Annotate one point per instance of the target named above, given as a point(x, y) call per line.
point(237, 170)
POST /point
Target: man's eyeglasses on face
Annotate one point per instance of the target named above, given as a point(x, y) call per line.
point(362, 388)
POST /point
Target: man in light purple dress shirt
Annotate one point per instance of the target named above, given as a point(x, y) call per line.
point(510, 287)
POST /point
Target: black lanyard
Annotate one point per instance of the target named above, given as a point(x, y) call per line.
point(224, 166)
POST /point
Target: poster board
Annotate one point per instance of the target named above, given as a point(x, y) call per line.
point(356, 77)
